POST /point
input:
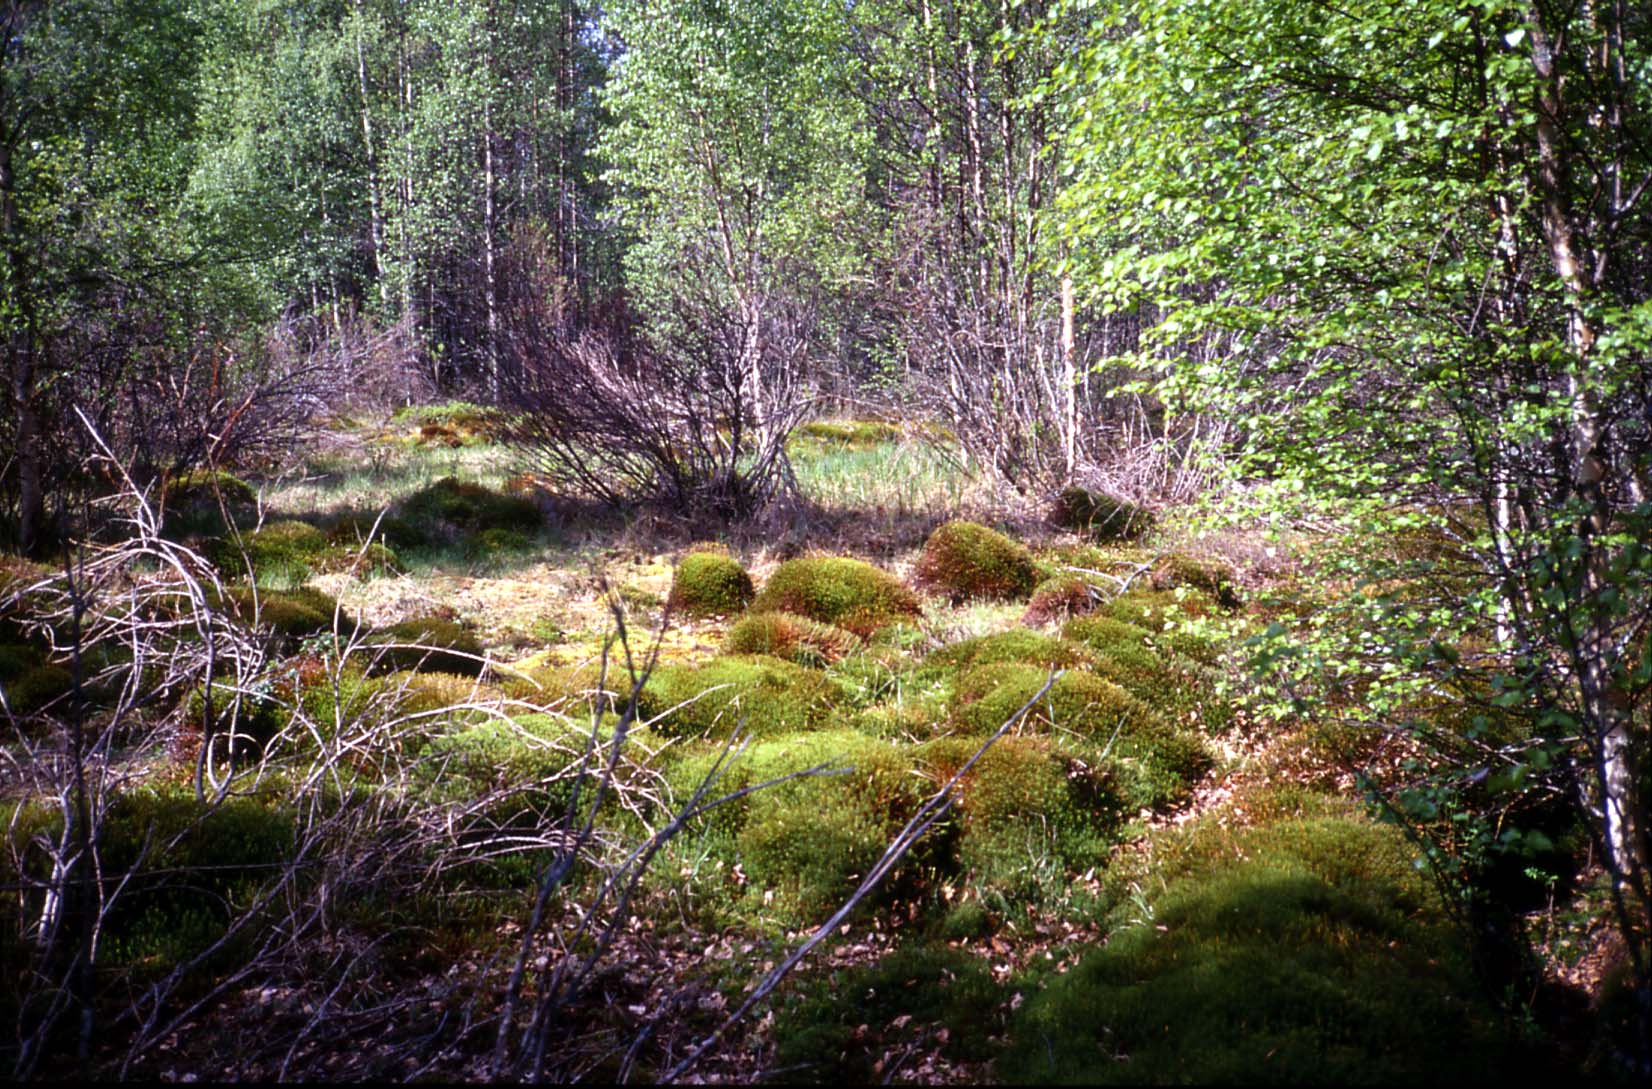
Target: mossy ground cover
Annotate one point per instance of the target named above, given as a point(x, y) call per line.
point(831, 660)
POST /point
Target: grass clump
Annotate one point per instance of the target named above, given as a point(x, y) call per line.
point(792, 638)
point(1303, 951)
point(710, 584)
point(1101, 516)
point(965, 561)
point(836, 590)
point(770, 696)
point(428, 644)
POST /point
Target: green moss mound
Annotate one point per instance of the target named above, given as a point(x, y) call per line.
point(196, 502)
point(966, 561)
point(836, 590)
point(1211, 577)
point(1305, 951)
point(426, 645)
point(710, 584)
point(32, 684)
point(452, 509)
point(1018, 646)
point(1029, 815)
point(1147, 762)
point(285, 549)
point(1167, 670)
point(856, 434)
point(1102, 516)
point(768, 695)
point(805, 843)
point(562, 688)
point(793, 638)
point(246, 716)
point(182, 870)
point(292, 615)
point(1061, 598)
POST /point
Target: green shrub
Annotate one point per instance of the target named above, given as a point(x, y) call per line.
point(769, 695)
point(965, 561)
point(1100, 515)
point(451, 509)
point(1146, 761)
point(710, 584)
point(1306, 951)
point(793, 638)
point(442, 646)
point(834, 590)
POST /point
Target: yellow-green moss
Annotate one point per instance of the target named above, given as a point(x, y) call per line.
point(793, 638)
point(1061, 598)
point(1148, 761)
point(835, 590)
point(859, 434)
point(288, 548)
point(965, 561)
point(768, 695)
point(1017, 645)
point(291, 614)
point(1104, 517)
point(710, 584)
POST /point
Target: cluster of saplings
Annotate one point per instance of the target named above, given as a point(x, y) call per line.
point(1283, 935)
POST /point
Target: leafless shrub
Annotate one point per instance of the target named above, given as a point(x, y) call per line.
point(693, 412)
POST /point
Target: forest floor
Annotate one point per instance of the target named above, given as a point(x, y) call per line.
point(1144, 860)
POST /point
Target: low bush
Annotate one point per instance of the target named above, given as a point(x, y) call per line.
point(1102, 516)
point(793, 638)
point(710, 584)
point(1304, 951)
point(835, 590)
point(770, 696)
point(965, 561)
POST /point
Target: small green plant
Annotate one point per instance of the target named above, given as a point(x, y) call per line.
point(710, 584)
point(964, 561)
point(835, 590)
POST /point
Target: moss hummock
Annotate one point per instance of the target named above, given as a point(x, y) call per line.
point(427, 644)
point(767, 695)
point(1212, 577)
point(966, 561)
point(1017, 645)
point(452, 509)
point(710, 584)
point(836, 590)
point(793, 638)
point(1101, 516)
